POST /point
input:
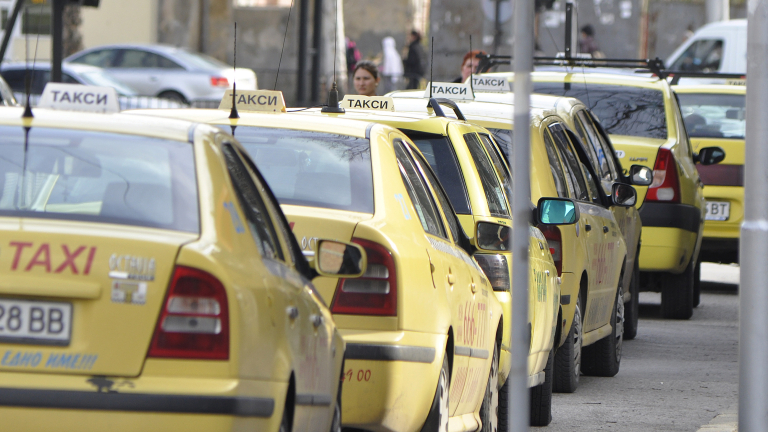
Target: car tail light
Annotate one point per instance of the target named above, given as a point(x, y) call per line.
point(721, 175)
point(555, 243)
point(194, 321)
point(219, 81)
point(373, 293)
point(665, 185)
point(496, 269)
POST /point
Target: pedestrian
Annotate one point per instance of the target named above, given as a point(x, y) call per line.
point(413, 65)
point(391, 65)
point(587, 42)
point(469, 65)
point(366, 78)
point(353, 54)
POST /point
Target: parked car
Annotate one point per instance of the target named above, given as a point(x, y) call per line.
point(716, 47)
point(167, 72)
point(40, 74)
point(6, 94)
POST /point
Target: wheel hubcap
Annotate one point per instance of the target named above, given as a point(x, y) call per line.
point(493, 383)
point(619, 324)
point(443, 401)
point(577, 341)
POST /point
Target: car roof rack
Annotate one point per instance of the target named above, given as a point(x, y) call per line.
point(676, 75)
point(655, 66)
point(435, 103)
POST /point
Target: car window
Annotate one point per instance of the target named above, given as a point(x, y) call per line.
point(256, 213)
point(15, 79)
point(592, 146)
point(610, 156)
point(68, 79)
point(704, 55)
point(685, 143)
point(555, 167)
point(501, 168)
point(622, 110)
point(570, 161)
point(494, 195)
point(453, 222)
point(102, 58)
point(143, 59)
point(420, 196)
point(504, 138)
point(439, 152)
point(709, 115)
point(594, 189)
point(312, 169)
point(98, 177)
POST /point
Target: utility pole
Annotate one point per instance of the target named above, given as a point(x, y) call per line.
point(519, 411)
point(301, 77)
point(57, 39)
point(317, 51)
point(753, 303)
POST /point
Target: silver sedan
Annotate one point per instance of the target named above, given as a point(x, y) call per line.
point(167, 72)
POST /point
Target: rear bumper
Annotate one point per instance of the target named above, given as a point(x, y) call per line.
point(731, 228)
point(670, 215)
point(666, 249)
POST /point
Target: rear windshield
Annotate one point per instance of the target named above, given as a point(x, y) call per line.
point(622, 110)
point(439, 153)
point(709, 115)
point(98, 177)
point(312, 169)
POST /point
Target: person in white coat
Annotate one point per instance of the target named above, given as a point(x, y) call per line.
point(391, 65)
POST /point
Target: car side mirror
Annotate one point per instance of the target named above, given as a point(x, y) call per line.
point(557, 211)
point(492, 237)
point(623, 195)
point(709, 155)
point(338, 259)
point(640, 175)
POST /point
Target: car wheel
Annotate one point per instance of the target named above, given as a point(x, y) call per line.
point(603, 358)
point(541, 396)
point(677, 294)
point(285, 423)
point(567, 366)
point(437, 419)
point(697, 284)
point(632, 309)
point(174, 96)
point(336, 422)
point(489, 410)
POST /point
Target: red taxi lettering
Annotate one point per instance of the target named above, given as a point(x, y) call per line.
point(44, 249)
point(19, 248)
point(42, 257)
point(69, 259)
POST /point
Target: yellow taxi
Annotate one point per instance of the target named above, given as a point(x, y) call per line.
point(715, 115)
point(150, 281)
point(590, 261)
point(643, 119)
point(422, 326)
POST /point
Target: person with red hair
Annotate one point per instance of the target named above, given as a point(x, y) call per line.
point(469, 65)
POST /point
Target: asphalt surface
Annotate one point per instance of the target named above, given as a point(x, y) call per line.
point(674, 376)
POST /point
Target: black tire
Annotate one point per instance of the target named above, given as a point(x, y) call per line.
point(632, 309)
point(286, 424)
point(677, 294)
point(567, 364)
point(173, 95)
point(541, 396)
point(437, 419)
point(489, 410)
point(603, 358)
point(504, 407)
point(697, 284)
point(336, 422)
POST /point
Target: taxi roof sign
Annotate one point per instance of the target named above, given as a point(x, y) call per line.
point(254, 100)
point(454, 91)
point(490, 84)
point(77, 97)
point(376, 103)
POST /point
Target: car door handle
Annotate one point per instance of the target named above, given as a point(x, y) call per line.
point(588, 227)
point(605, 229)
point(473, 287)
point(451, 278)
point(317, 320)
point(293, 312)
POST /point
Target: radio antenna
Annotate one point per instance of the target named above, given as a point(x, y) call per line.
point(233, 114)
point(431, 63)
point(287, 24)
point(333, 94)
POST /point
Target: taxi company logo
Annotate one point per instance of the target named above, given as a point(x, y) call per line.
point(450, 90)
point(490, 84)
point(308, 243)
point(131, 267)
point(80, 97)
point(620, 154)
point(370, 103)
point(129, 292)
point(254, 100)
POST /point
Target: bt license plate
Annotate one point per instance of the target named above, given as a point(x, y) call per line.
point(35, 322)
point(718, 210)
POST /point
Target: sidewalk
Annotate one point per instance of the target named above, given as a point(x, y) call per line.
point(724, 422)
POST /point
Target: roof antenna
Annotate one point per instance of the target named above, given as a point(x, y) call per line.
point(283, 49)
point(233, 114)
point(333, 94)
point(431, 63)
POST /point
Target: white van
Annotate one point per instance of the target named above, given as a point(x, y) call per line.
point(716, 47)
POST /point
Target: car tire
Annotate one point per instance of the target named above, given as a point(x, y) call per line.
point(287, 422)
point(336, 421)
point(174, 96)
point(541, 396)
point(489, 410)
point(677, 294)
point(603, 358)
point(437, 419)
point(697, 284)
point(632, 309)
point(567, 363)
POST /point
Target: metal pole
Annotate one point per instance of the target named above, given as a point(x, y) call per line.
point(9, 28)
point(317, 50)
point(57, 36)
point(301, 77)
point(519, 412)
point(753, 306)
point(497, 27)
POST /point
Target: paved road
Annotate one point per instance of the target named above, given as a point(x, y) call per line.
point(675, 376)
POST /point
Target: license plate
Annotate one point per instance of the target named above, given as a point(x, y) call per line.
point(718, 210)
point(35, 322)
